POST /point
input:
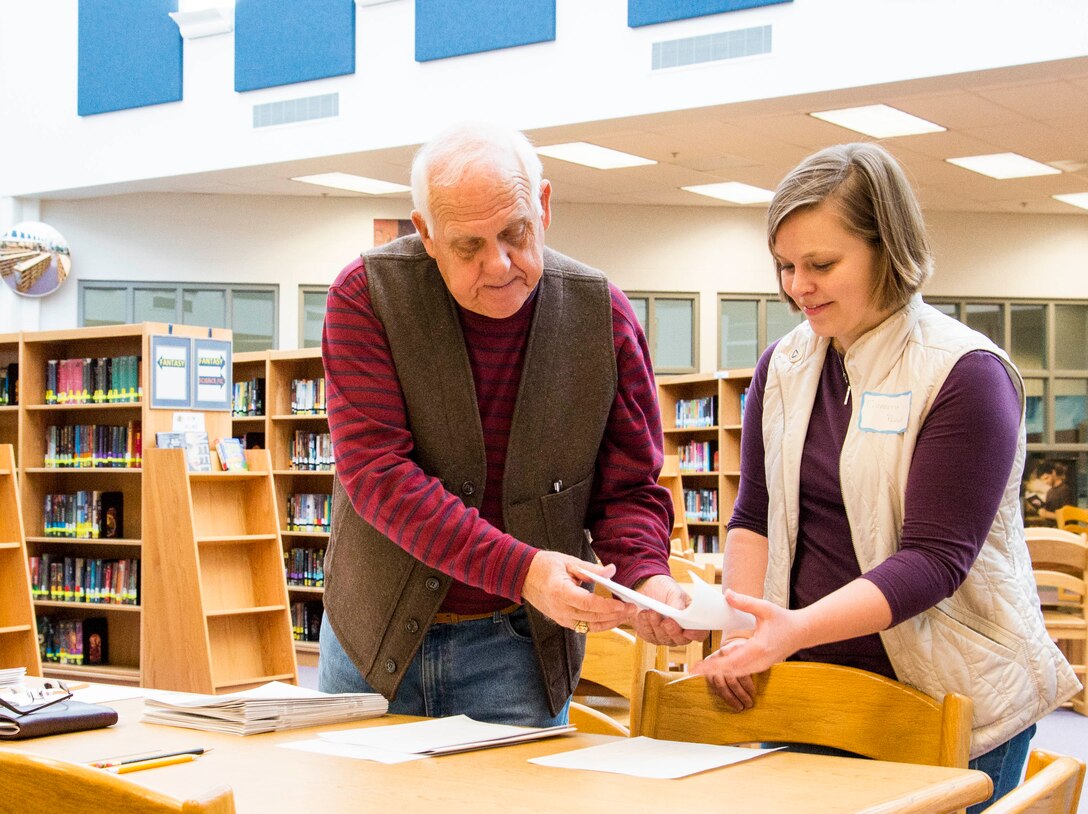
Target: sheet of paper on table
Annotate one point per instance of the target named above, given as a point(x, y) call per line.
point(648, 757)
point(441, 736)
point(708, 609)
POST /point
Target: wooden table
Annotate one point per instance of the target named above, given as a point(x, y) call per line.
point(267, 779)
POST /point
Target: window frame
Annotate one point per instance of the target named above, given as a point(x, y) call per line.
point(651, 298)
point(302, 291)
point(179, 288)
point(761, 301)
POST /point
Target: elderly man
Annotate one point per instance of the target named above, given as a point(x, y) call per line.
point(489, 401)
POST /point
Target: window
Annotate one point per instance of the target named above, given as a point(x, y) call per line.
point(747, 325)
point(671, 324)
point(250, 311)
point(311, 314)
point(1048, 342)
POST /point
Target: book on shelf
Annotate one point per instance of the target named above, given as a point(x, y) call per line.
point(232, 455)
point(268, 708)
point(84, 515)
point(248, 398)
point(102, 380)
point(9, 385)
point(198, 456)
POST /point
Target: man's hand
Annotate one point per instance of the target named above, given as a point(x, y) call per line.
point(553, 586)
point(658, 629)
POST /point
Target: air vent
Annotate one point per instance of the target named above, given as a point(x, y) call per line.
point(296, 110)
point(745, 42)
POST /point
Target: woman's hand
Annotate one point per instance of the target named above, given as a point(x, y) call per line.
point(658, 629)
point(778, 634)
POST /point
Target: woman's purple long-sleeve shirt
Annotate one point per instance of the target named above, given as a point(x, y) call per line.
point(957, 477)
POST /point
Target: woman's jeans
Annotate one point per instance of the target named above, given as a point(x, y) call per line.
point(486, 669)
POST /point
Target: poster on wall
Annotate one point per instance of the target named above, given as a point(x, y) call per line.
point(212, 374)
point(170, 357)
point(34, 259)
point(387, 230)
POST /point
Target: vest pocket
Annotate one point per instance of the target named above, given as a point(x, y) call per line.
point(565, 519)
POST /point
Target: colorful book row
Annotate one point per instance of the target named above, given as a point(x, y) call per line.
point(87, 515)
point(312, 452)
point(247, 397)
point(79, 446)
point(305, 567)
point(73, 641)
point(102, 380)
point(308, 397)
point(695, 413)
point(85, 579)
point(306, 620)
point(309, 512)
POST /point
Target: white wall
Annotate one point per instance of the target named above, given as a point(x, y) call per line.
point(597, 68)
point(292, 241)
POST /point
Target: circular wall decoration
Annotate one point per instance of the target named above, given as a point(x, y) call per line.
point(34, 259)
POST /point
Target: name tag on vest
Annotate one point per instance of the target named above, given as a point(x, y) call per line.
point(884, 412)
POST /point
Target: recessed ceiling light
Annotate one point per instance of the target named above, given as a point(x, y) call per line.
point(733, 191)
point(878, 121)
point(592, 155)
point(353, 183)
point(1003, 165)
point(1076, 199)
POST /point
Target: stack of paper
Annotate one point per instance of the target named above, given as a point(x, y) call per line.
point(266, 708)
point(12, 675)
point(439, 736)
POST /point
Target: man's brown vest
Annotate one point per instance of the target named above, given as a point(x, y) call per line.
point(379, 599)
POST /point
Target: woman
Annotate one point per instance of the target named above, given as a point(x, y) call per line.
point(879, 509)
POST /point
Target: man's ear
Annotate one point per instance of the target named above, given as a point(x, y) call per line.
point(546, 202)
point(424, 232)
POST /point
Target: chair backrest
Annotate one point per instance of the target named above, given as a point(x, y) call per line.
point(595, 722)
point(682, 568)
point(33, 784)
point(618, 661)
point(1057, 550)
point(1072, 518)
point(822, 704)
point(1052, 785)
point(1059, 591)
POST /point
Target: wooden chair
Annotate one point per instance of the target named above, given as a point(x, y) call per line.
point(595, 722)
point(1052, 785)
point(821, 704)
point(684, 656)
point(1059, 560)
point(33, 784)
point(1073, 518)
point(617, 661)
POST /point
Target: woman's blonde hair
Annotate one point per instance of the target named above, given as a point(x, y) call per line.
point(875, 201)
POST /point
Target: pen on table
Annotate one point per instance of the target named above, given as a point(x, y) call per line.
point(109, 764)
point(139, 766)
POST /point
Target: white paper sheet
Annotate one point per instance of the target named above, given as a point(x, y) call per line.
point(647, 757)
point(441, 735)
point(708, 609)
point(321, 746)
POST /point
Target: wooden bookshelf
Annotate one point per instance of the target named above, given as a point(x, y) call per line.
point(279, 369)
point(216, 613)
point(18, 631)
point(9, 413)
point(722, 435)
point(38, 479)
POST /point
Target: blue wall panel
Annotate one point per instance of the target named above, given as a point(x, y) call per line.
point(278, 42)
point(450, 28)
point(129, 55)
point(648, 12)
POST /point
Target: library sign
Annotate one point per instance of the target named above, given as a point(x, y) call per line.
point(190, 373)
point(34, 259)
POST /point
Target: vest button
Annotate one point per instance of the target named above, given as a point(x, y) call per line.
point(432, 584)
point(390, 666)
point(412, 626)
point(468, 487)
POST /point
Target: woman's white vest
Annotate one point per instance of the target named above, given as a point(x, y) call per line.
point(987, 640)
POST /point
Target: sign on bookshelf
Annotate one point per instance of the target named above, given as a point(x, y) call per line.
point(212, 374)
point(190, 372)
point(170, 359)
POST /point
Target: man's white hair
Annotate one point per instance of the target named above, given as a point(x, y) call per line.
point(444, 160)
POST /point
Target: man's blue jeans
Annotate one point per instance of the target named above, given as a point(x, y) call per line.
point(486, 669)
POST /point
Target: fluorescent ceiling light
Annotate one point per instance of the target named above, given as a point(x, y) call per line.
point(733, 191)
point(1003, 165)
point(878, 121)
point(354, 183)
point(590, 155)
point(1076, 199)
